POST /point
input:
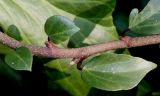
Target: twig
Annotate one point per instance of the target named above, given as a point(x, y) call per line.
point(83, 51)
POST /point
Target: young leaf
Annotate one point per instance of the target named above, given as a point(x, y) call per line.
point(14, 32)
point(59, 28)
point(132, 15)
point(147, 22)
point(115, 72)
point(21, 59)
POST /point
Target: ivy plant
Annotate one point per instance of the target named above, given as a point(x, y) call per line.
point(70, 24)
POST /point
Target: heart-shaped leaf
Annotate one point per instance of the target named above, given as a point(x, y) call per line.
point(115, 72)
point(60, 28)
point(21, 59)
point(147, 22)
point(14, 32)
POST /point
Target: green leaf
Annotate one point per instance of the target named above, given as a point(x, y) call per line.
point(54, 74)
point(147, 22)
point(21, 59)
point(29, 16)
point(60, 28)
point(5, 49)
point(78, 6)
point(133, 14)
point(72, 81)
point(115, 72)
point(14, 32)
point(101, 34)
point(96, 24)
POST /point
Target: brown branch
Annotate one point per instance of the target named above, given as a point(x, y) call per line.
point(83, 51)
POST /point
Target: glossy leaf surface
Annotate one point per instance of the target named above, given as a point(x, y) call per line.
point(21, 59)
point(115, 72)
point(60, 28)
point(147, 22)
